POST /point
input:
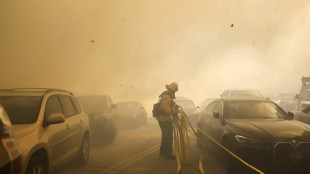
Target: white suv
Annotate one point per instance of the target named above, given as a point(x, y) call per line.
point(49, 125)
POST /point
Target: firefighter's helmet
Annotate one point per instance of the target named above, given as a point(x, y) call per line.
point(173, 86)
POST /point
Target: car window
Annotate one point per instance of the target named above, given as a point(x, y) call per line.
point(52, 106)
point(76, 104)
point(246, 94)
point(210, 108)
point(188, 104)
point(218, 108)
point(21, 109)
point(67, 106)
point(253, 109)
point(306, 96)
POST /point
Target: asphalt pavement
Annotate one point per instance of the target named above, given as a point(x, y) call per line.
point(136, 151)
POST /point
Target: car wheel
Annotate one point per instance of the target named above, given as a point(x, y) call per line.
point(37, 165)
point(83, 155)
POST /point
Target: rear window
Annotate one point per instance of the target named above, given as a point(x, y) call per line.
point(185, 104)
point(94, 105)
point(128, 105)
point(246, 94)
point(21, 109)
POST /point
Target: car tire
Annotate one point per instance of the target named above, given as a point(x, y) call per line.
point(37, 165)
point(83, 155)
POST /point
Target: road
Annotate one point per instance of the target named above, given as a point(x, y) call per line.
point(136, 151)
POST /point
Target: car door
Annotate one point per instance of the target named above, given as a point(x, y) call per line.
point(111, 112)
point(73, 123)
point(206, 118)
point(217, 124)
point(58, 134)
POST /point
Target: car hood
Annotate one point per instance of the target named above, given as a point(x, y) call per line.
point(21, 130)
point(270, 129)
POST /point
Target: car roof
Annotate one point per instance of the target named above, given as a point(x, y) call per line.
point(30, 91)
point(241, 89)
point(242, 99)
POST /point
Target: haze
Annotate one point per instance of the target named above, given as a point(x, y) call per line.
point(131, 49)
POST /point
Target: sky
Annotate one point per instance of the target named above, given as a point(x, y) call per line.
point(131, 49)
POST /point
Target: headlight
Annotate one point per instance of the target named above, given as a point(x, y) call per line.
point(249, 141)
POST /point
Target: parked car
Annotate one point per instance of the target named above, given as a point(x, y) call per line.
point(286, 101)
point(189, 108)
point(131, 114)
point(303, 116)
point(304, 100)
point(259, 132)
point(103, 117)
point(50, 127)
point(10, 161)
point(205, 103)
point(242, 93)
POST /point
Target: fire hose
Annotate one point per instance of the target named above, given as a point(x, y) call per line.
point(181, 140)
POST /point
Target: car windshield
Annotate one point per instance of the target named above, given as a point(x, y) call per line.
point(253, 109)
point(21, 109)
point(185, 104)
point(246, 94)
point(306, 96)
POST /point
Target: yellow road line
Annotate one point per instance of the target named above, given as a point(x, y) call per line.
point(133, 161)
point(133, 158)
point(200, 164)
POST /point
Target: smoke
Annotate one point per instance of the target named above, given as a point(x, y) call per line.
point(131, 49)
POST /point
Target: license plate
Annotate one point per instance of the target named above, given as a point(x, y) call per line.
point(295, 155)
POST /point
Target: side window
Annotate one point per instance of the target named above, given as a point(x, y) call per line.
point(76, 104)
point(210, 108)
point(218, 108)
point(52, 106)
point(67, 106)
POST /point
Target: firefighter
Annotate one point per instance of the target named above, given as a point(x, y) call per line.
point(168, 109)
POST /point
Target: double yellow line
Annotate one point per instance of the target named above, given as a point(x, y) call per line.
point(121, 165)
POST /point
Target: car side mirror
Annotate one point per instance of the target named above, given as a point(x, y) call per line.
point(297, 97)
point(55, 119)
point(216, 114)
point(290, 114)
point(114, 106)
